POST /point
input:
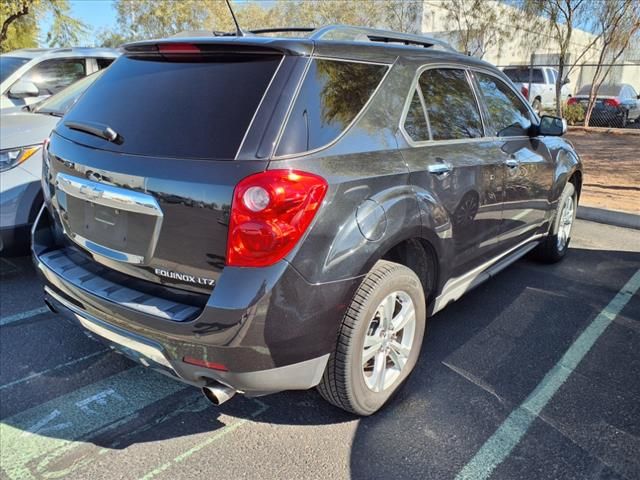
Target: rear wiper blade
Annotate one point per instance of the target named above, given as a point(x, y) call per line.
point(97, 129)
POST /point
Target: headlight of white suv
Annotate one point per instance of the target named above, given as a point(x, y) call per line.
point(15, 156)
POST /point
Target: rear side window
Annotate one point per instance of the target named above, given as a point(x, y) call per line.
point(198, 109)
point(508, 114)
point(332, 95)
point(451, 106)
point(521, 75)
point(415, 123)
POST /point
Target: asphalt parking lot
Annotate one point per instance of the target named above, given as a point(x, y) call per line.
point(535, 374)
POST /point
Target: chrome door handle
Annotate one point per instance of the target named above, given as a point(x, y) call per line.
point(512, 163)
point(439, 168)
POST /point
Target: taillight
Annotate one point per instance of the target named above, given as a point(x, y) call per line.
point(572, 101)
point(177, 48)
point(269, 214)
point(611, 102)
point(525, 92)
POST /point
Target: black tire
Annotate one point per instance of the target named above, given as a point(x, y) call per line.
point(343, 383)
point(549, 251)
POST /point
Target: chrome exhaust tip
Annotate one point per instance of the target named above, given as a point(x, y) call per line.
point(217, 393)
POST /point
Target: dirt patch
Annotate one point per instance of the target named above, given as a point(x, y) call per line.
point(611, 170)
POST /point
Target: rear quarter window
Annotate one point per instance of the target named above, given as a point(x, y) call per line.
point(331, 97)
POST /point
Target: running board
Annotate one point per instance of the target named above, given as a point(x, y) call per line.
point(457, 287)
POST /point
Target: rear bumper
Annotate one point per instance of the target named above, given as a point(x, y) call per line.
point(271, 329)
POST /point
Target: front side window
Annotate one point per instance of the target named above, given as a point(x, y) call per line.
point(415, 123)
point(451, 106)
point(51, 76)
point(507, 113)
point(332, 95)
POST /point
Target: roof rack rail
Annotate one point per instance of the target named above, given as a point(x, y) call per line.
point(349, 32)
point(282, 29)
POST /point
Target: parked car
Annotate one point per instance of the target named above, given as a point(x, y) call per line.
point(616, 105)
point(542, 90)
point(21, 138)
point(260, 214)
point(30, 75)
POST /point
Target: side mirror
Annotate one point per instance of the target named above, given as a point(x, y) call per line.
point(23, 89)
point(566, 81)
point(552, 126)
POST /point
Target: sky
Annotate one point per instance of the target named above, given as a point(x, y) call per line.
point(96, 14)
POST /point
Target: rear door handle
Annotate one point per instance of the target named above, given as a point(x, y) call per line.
point(439, 168)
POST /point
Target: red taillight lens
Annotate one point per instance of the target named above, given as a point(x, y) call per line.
point(204, 363)
point(525, 92)
point(572, 101)
point(269, 214)
point(611, 102)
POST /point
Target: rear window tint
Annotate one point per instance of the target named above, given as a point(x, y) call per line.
point(332, 95)
point(415, 123)
point(452, 109)
point(176, 109)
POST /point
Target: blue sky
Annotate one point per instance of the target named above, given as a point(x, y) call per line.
point(96, 14)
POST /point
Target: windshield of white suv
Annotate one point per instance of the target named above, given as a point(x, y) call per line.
point(8, 65)
point(521, 75)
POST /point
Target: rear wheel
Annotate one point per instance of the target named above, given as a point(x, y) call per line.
point(555, 246)
point(379, 340)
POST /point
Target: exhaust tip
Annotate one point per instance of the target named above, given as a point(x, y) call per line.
point(217, 393)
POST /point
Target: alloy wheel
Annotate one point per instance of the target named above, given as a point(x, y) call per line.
point(388, 341)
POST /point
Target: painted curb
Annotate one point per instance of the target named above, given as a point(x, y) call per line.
point(609, 217)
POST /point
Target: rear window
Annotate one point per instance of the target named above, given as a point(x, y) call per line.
point(176, 109)
point(521, 75)
point(604, 90)
point(332, 95)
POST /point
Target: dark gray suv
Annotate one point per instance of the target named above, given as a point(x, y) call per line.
point(255, 214)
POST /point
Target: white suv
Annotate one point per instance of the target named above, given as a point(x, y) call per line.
point(30, 75)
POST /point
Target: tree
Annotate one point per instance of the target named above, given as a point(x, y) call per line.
point(618, 23)
point(19, 19)
point(475, 26)
point(559, 18)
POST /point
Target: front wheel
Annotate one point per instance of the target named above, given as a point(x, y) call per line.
point(379, 340)
point(555, 246)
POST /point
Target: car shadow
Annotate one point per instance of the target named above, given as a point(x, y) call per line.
point(481, 357)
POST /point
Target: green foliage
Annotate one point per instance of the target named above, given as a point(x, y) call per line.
point(573, 114)
point(143, 19)
point(19, 24)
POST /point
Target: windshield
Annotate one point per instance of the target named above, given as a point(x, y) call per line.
point(604, 90)
point(61, 102)
point(8, 65)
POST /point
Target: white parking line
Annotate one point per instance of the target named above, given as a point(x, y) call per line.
point(52, 369)
point(22, 315)
point(498, 447)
